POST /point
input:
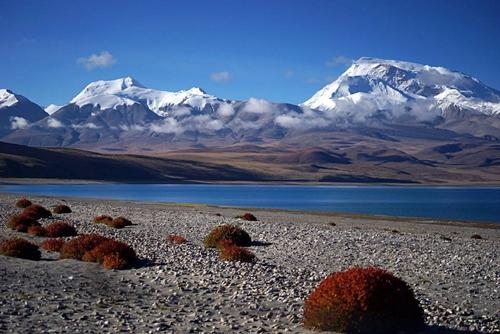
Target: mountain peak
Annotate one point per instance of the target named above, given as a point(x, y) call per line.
point(196, 91)
point(7, 98)
point(373, 84)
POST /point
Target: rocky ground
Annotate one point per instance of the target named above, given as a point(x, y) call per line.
point(185, 288)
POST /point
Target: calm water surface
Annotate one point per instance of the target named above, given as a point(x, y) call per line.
point(460, 203)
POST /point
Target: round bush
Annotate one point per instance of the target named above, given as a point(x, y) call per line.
point(53, 245)
point(37, 231)
point(118, 222)
point(23, 203)
point(60, 229)
point(111, 247)
point(230, 232)
point(115, 261)
point(36, 211)
point(77, 247)
point(225, 243)
point(103, 219)
point(363, 300)
point(176, 239)
point(20, 248)
point(237, 254)
point(21, 219)
point(61, 208)
point(247, 216)
point(476, 236)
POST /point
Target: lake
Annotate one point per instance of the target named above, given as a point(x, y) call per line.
point(458, 203)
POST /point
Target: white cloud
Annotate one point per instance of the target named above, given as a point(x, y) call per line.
point(104, 59)
point(258, 106)
point(54, 123)
point(225, 110)
point(289, 73)
point(85, 126)
point(181, 111)
point(220, 76)
point(168, 125)
point(18, 123)
point(338, 60)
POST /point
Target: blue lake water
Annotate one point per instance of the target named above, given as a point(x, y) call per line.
point(458, 203)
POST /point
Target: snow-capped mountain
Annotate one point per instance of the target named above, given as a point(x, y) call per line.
point(128, 91)
point(374, 97)
point(51, 108)
point(402, 88)
point(17, 112)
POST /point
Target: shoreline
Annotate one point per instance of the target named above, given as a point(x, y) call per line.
point(332, 214)
point(45, 181)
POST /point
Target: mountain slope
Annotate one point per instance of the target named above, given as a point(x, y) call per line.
point(18, 161)
point(17, 112)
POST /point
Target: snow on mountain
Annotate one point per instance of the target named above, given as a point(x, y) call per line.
point(128, 91)
point(52, 108)
point(372, 84)
point(17, 112)
point(7, 98)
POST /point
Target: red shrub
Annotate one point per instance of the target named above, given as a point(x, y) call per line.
point(247, 216)
point(20, 248)
point(21, 219)
point(237, 254)
point(113, 249)
point(103, 219)
point(37, 231)
point(61, 208)
point(23, 203)
point(231, 232)
point(118, 222)
point(225, 243)
point(53, 245)
point(363, 300)
point(36, 211)
point(60, 229)
point(77, 247)
point(22, 228)
point(177, 239)
point(115, 261)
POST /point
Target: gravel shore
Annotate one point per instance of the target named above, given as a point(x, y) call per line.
point(187, 289)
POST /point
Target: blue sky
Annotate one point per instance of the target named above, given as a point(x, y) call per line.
point(282, 51)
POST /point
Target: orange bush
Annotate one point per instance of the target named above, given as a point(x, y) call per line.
point(177, 239)
point(237, 254)
point(115, 261)
point(363, 300)
point(21, 219)
point(37, 231)
point(23, 203)
point(247, 216)
point(103, 219)
point(77, 247)
point(225, 243)
point(60, 229)
point(111, 247)
point(61, 208)
point(230, 232)
point(53, 245)
point(118, 222)
point(20, 248)
point(36, 211)
point(96, 248)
